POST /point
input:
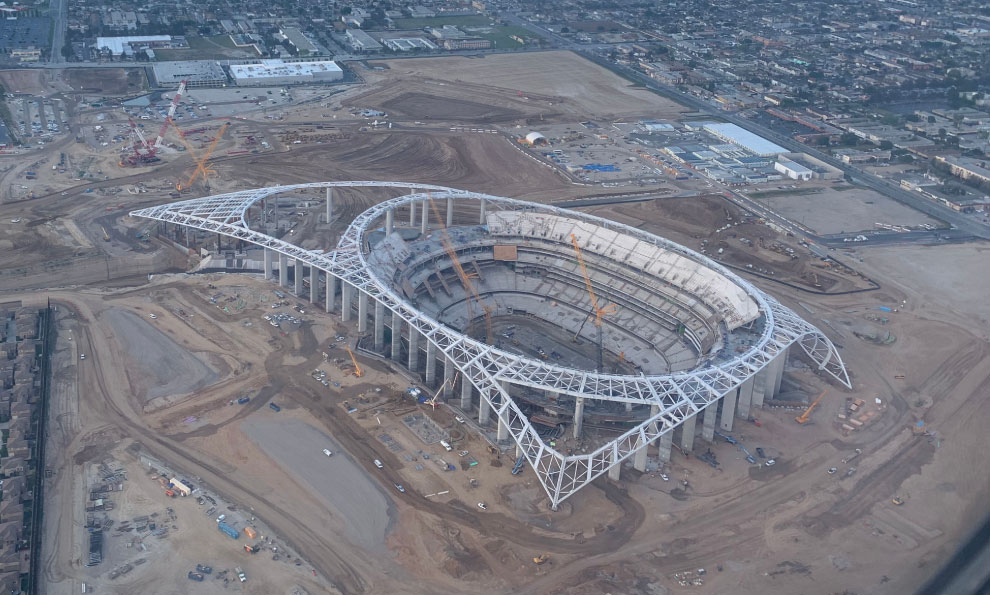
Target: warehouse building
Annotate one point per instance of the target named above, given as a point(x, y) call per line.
point(792, 169)
point(744, 138)
point(278, 72)
point(128, 45)
point(196, 73)
point(361, 41)
point(408, 44)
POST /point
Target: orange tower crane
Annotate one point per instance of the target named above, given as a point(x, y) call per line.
point(463, 276)
point(596, 311)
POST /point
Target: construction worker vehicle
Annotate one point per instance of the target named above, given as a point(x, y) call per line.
point(541, 559)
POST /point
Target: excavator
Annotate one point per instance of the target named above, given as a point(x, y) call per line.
point(803, 418)
point(541, 559)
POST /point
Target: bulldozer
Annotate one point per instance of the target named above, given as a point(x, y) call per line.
point(541, 559)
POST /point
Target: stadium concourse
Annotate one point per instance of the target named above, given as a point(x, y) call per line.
point(551, 319)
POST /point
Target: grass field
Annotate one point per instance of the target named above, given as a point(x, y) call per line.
point(470, 20)
point(500, 36)
point(217, 47)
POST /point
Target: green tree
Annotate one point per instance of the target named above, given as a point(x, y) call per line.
point(848, 138)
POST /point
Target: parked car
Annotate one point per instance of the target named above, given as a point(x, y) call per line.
point(379, 464)
point(759, 451)
point(327, 452)
point(401, 489)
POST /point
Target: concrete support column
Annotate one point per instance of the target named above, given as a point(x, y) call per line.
point(728, 411)
point(379, 327)
point(331, 292)
point(362, 311)
point(448, 377)
point(759, 389)
point(467, 390)
point(639, 458)
point(431, 363)
point(708, 423)
point(450, 211)
point(484, 211)
point(412, 214)
point(413, 349)
point(425, 219)
point(283, 270)
point(297, 274)
point(578, 416)
point(268, 260)
point(628, 407)
point(615, 471)
point(188, 243)
point(781, 362)
point(664, 445)
point(484, 412)
point(503, 430)
point(396, 353)
point(329, 205)
point(389, 221)
point(346, 297)
point(314, 285)
point(687, 433)
point(745, 398)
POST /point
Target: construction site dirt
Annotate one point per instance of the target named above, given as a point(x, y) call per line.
point(168, 387)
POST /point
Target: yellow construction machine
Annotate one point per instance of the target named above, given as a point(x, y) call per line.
point(803, 418)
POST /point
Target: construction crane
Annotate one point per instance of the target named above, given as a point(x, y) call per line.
point(171, 113)
point(597, 312)
point(143, 150)
point(803, 418)
point(433, 400)
point(201, 169)
point(463, 276)
point(357, 368)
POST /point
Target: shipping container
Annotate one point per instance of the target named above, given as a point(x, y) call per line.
point(228, 529)
point(250, 532)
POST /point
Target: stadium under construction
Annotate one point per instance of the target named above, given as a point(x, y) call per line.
point(539, 320)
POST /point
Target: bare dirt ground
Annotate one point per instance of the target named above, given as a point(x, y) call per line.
point(789, 528)
point(842, 209)
point(107, 81)
point(30, 82)
point(580, 88)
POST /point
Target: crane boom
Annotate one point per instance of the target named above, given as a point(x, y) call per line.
point(171, 113)
point(803, 418)
point(598, 312)
point(200, 161)
point(357, 369)
point(461, 274)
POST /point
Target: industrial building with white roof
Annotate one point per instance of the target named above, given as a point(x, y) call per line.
point(279, 72)
point(744, 138)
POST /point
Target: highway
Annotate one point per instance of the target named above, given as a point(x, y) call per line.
point(58, 10)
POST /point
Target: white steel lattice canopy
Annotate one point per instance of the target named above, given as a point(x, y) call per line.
point(674, 397)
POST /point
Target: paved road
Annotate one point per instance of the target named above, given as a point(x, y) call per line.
point(58, 11)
